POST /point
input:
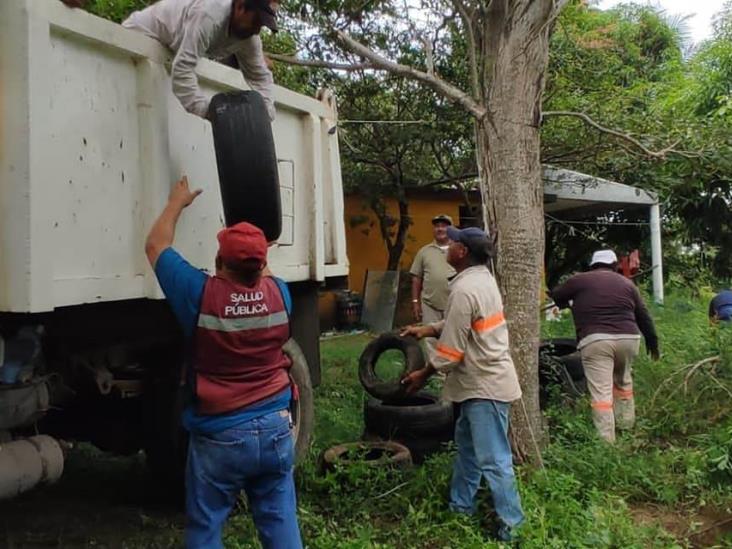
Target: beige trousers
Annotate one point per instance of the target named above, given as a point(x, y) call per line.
point(607, 364)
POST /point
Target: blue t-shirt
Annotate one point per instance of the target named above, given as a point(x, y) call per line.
point(183, 287)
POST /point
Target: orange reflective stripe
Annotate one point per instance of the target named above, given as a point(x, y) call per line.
point(622, 393)
point(484, 324)
point(602, 405)
point(449, 353)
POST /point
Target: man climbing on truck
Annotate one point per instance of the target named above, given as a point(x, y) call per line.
point(214, 28)
point(237, 378)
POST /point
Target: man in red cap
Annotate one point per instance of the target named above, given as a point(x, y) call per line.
point(238, 379)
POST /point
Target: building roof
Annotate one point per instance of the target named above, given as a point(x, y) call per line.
point(566, 190)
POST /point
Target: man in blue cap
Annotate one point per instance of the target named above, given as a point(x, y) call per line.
point(473, 351)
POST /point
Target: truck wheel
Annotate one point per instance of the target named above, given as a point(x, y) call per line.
point(302, 410)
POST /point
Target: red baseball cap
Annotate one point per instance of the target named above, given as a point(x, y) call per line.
point(242, 241)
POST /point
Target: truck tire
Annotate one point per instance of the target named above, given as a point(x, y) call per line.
point(423, 423)
point(372, 384)
point(246, 160)
point(303, 417)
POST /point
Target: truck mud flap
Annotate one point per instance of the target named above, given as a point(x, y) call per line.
point(247, 162)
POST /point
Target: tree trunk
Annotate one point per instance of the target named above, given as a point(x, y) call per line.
point(396, 248)
point(510, 169)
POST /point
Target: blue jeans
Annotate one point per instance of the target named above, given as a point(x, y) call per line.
point(257, 457)
point(483, 450)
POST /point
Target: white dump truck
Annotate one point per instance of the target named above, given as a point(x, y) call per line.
point(91, 139)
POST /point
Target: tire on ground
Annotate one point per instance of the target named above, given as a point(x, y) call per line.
point(376, 387)
point(246, 160)
point(423, 423)
point(374, 454)
point(560, 364)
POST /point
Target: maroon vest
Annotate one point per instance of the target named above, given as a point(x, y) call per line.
point(238, 357)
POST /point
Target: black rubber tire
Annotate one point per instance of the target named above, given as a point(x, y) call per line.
point(372, 384)
point(560, 364)
point(573, 363)
point(303, 416)
point(558, 346)
point(423, 423)
point(247, 162)
point(377, 454)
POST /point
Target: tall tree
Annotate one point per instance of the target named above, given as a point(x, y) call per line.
point(499, 85)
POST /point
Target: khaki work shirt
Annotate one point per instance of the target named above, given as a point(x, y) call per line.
point(473, 346)
point(196, 28)
point(430, 264)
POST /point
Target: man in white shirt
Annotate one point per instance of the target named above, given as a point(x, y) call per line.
point(212, 28)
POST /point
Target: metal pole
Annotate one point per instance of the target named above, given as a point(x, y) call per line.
point(656, 253)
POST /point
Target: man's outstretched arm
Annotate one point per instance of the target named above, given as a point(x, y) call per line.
point(162, 234)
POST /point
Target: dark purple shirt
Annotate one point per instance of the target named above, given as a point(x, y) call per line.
point(605, 302)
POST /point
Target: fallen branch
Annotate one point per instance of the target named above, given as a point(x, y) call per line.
point(688, 371)
point(661, 154)
point(695, 367)
point(437, 84)
point(397, 487)
point(316, 63)
point(711, 527)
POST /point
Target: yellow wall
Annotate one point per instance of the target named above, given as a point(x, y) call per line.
point(367, 250)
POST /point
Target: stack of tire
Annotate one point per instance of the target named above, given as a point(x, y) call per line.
point(421, 422)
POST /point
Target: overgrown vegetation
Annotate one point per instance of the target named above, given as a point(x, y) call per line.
point(673, 470)
point(666, 484)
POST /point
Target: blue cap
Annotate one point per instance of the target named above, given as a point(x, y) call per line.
point(460, 235)
point(474, 239)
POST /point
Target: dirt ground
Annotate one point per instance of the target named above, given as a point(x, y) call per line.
point(100, 501)
point(699, 529)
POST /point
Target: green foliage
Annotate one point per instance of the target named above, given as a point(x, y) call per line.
point(589, 492)
point(625, 68)
point(116, 10)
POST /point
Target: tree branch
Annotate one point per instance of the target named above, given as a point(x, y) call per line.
point(454, 179)
point(661, 154)
point(316, 63)
point(437, 84)
point(468, 22)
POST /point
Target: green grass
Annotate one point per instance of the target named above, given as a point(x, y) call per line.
point(674, 471)
point(590, 495)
